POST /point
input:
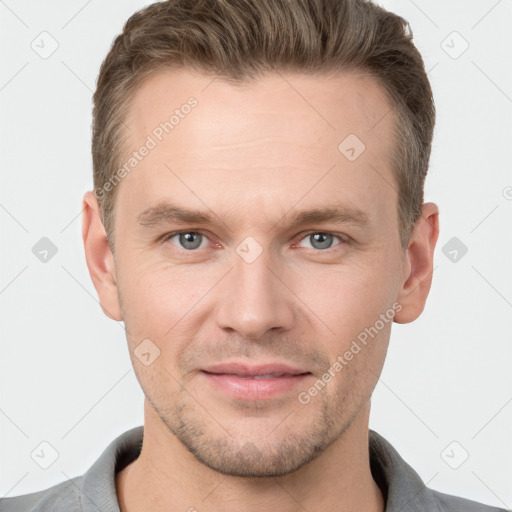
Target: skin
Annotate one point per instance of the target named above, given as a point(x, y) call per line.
point(254, 156)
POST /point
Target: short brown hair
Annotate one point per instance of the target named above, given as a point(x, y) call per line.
point(239, 40)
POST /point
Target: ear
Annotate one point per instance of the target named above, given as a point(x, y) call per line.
point(99, 257)
point(418, 265)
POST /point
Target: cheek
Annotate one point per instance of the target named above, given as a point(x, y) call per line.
point(166, 304)
point(347, 306)
point(154, 310)
point(344, 298)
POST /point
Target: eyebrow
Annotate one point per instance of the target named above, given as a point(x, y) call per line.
point(167, 213)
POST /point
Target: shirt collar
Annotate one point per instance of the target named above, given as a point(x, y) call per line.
point(99, 482)
point(402, 488)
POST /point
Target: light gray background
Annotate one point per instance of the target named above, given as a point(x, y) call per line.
point(65, 375)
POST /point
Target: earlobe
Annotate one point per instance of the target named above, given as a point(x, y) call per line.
point(99, 258)
point(418, 263)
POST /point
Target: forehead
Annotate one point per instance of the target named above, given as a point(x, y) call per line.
point(333, 105)
point(281, 133)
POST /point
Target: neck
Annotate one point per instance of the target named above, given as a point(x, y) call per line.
point(167, 477)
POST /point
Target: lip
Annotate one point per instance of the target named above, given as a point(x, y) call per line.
point(239, 381)
point(243, 370)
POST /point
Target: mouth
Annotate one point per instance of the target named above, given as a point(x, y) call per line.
point(256, 382)
point(258, 377)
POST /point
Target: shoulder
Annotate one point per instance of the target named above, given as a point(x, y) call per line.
point(62, 497)
point(95, 490)
point(449, 503)
point(405, 490)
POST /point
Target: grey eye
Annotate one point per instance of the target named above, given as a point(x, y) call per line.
point(189, 240)
point(321, 240)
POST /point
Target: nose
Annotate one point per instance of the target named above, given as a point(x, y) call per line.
point(255, 298)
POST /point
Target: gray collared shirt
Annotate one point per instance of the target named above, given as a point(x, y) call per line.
point(95, 491)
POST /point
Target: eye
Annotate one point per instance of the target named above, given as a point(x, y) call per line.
point(321, 240)
point(188, 240)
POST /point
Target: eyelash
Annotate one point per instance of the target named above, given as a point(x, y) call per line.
point(344, 239)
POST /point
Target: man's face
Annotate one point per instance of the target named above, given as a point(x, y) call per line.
point(252, 289)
